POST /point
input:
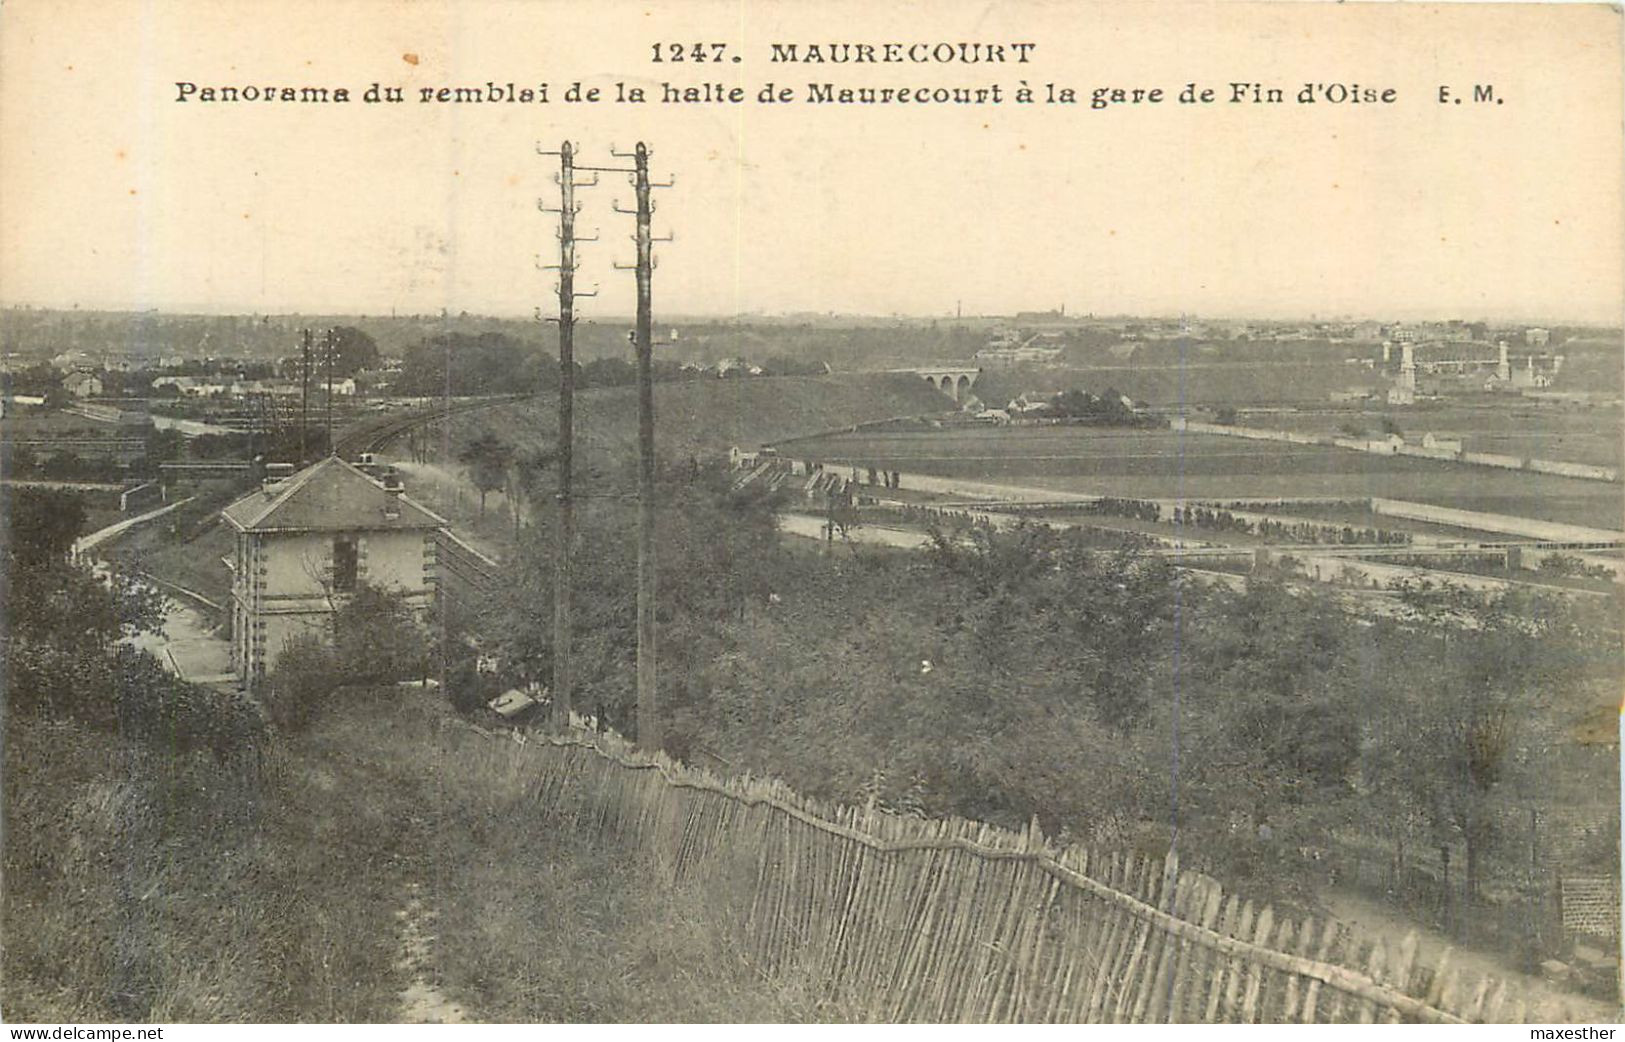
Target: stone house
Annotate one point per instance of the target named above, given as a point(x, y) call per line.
point(306, 542)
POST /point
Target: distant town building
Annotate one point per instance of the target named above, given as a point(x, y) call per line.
point(68, 361)
point(1537, 337)
point(305, 543)
point(1404, 390)
point(1018, 355)
point(1040, 348)
point(82, 385)
point(1528, 376)
point(1026, 403)
point(126, 362)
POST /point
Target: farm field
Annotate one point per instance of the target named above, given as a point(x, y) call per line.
point(40, 423)
point(1167, 464)
point(1516, 429)
point(1196, 382)
point(699, 417)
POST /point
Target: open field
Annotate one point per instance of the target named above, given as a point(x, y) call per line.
point(1195, 382)
point(1505, 426)
point(43, 423)
point(196, 565)
point(1168, 464)
point(707, 416)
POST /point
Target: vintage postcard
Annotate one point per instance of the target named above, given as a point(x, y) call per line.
point(745, 512)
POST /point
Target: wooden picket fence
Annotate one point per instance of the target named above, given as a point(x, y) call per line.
point(905, 919)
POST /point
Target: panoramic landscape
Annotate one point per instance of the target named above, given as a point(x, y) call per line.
point(745, 513)
point(1341, 637)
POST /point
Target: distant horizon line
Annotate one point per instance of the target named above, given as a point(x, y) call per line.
point(398, 313)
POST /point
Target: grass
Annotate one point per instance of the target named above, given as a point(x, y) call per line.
point(195, 565)
point(707, 416)
point(1495, 425)
point(1167, 464)
point(141, 887)
point(146, 887)
point(1201, 380)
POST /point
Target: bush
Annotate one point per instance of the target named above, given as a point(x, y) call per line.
point(162, 709)
point(306, 674)
point(128, 692)
point(377, 641)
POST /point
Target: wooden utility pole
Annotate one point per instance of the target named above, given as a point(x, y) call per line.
point(327, 342)
point(563, 579)
point(649, 710)
point(651, 724)
point(440, 569)
point(304, 401)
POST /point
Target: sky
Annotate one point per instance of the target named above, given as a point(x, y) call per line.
point(115, 194)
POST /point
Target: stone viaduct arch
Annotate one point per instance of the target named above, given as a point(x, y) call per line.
point(953, 381)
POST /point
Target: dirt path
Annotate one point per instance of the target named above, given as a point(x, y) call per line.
point(89, 542)
point(1548, 1003)
point(422, 1001)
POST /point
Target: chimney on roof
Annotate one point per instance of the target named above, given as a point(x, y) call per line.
point(393, 489)
point(271, 483)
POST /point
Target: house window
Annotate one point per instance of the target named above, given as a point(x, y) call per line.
point(345, 560)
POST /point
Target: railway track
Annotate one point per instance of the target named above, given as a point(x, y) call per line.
point(468, 574)
point(375, 434)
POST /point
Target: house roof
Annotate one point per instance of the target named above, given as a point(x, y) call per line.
point(329, 495)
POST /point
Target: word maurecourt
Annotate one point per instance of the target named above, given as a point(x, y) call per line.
point(917, 53)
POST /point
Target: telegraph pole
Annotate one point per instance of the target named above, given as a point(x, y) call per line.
point(304, 400)
point(445, 461)
point(563, 580)
point(327, 343)
point(651, 728)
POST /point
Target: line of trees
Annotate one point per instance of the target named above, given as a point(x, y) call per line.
point(501, 363)
point(1007, 674)
point(68, 655)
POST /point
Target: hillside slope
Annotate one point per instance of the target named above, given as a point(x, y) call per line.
point(703, 417)
point(144, 884)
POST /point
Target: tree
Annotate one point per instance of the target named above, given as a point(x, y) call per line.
point(487, 458)
point(376, 637)
point(524, 482)
point(353, 351)
point(1476, 688)
point(43, 524)
point(65, 653)
point(375, 640)
point(486, 363)
point(842, 512)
